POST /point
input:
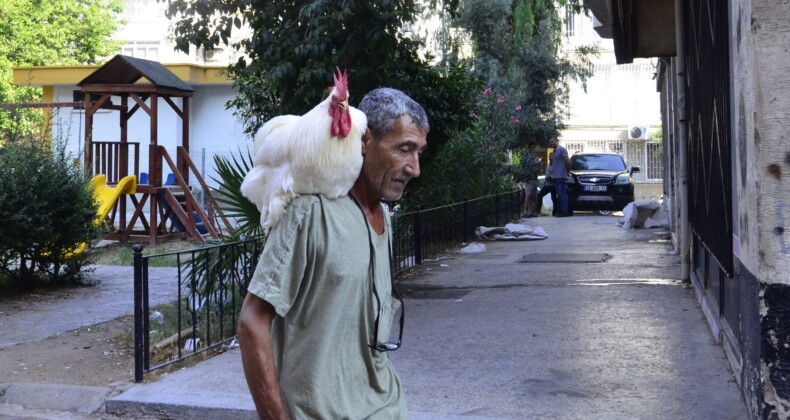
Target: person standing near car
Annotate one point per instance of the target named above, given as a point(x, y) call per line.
point(548, 189)
point(559, 171)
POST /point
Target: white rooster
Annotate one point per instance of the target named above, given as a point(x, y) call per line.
point(319, 152)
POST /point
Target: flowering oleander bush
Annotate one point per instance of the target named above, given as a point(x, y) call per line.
point(475, 162)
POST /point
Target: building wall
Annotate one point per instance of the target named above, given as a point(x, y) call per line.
point(147, 34)
point(214, 130)
point(770, 37)
point(615, 99)
point(761, 109)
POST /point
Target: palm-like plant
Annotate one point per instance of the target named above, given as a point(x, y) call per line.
point(235, 258)
point(231, 201)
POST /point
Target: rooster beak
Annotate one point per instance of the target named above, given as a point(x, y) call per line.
point(344, 105)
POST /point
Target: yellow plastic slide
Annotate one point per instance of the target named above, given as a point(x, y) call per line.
point(106, 196)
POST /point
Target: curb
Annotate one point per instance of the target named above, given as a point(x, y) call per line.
point(72, 398)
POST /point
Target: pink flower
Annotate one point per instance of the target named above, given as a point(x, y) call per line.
point(515, 119)
point(488, 91)
point(500, 100)
point(519, 108)
point(473, 116)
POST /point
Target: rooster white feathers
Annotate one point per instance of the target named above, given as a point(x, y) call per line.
point(319, 152)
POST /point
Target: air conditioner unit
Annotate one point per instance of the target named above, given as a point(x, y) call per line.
point(637, 132)
point(213, 54)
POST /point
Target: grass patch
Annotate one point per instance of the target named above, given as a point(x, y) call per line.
point(122, 254)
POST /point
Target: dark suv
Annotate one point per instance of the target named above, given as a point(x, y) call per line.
point(600, 181)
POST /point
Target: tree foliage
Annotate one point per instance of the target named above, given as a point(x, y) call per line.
point(43, 33)
point(295, 46)
point(517, 50)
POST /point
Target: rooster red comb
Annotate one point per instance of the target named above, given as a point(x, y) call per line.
point(341, 84)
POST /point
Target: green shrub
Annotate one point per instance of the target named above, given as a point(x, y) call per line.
point(47, 211)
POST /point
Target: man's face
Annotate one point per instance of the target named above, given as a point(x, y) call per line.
point(553, 143)
point(395, 159)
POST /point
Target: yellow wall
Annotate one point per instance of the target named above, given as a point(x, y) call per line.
point(71, 75)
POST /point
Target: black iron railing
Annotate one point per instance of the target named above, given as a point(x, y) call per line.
point(424, 234)
point(211, 281)
point(209, 288)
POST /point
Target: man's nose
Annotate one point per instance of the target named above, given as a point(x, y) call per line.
point(412, 168)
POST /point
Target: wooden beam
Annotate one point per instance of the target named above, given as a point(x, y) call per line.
point(135, 88)
point(93, 107)
point(79, 105)
point(140, 104)
point(88, 150)
point(173, 105)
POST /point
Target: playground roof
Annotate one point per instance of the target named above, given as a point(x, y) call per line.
point(125, 70)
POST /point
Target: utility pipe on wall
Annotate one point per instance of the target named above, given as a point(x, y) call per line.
point(680, 67)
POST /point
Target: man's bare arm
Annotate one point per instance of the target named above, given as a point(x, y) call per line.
point(257, 357)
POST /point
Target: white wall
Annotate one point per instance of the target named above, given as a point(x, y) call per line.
point(760, 103)
point(617, 96)
point(147, 34)
point(213, 129)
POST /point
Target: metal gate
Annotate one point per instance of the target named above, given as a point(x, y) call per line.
point(709, 138)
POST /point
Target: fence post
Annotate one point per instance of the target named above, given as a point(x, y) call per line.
point(496, 209)
point(465, 223)
point(417, 238)
point(146, 319)
point(138, 312)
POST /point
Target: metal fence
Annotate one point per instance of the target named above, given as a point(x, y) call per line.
point(211, 281)
point(209, 287)
point(646, 154)
point(424, 234)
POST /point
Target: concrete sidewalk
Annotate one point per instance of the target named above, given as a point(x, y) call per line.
point(110, 298)
point(488, 336)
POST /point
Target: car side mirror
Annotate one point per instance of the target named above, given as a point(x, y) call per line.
point(634, 169)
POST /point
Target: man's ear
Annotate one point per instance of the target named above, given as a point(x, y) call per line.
point(366, 139)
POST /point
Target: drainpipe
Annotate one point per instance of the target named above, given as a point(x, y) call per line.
point(680, 68)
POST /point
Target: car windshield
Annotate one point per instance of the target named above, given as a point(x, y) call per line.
point(597, 163)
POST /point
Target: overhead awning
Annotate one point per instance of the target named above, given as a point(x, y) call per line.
point(639, 28)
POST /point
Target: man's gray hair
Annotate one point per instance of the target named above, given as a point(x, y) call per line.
point(383, 106)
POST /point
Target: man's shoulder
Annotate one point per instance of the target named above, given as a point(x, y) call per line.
point(305, 201)
point(309, 203)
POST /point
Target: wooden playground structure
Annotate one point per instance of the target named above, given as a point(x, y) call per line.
point(173, 211)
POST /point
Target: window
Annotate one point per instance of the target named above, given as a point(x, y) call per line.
point(570, 21)
point(655, 166)
point(145, 50)
point(143, 10)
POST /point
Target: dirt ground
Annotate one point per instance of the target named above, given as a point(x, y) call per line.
point(100, 355)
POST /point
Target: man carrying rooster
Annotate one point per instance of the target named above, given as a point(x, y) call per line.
point(314, 327)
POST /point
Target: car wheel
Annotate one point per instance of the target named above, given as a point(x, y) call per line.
point(605, 212)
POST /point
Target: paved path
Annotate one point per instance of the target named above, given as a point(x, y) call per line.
point(486, 337)
point(40, 316)
point(489, 337)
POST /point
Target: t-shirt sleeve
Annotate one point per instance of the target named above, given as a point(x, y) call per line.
point(285, 257)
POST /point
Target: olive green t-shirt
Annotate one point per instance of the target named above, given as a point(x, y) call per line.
point(315, 271)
